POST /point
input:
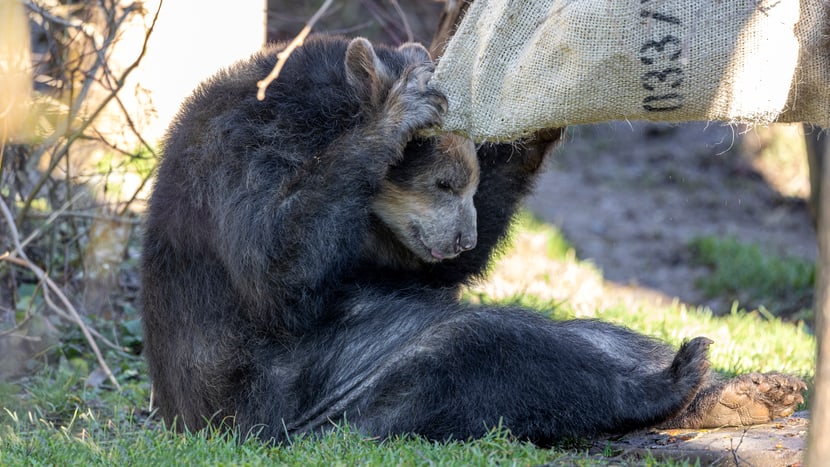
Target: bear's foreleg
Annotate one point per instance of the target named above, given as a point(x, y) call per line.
point(297, 236)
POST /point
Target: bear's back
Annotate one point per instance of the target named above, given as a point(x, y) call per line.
point(304, 109)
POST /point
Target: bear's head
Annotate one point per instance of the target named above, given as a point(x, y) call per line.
point(426, 201)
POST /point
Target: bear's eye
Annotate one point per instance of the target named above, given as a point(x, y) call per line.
point(444, 185)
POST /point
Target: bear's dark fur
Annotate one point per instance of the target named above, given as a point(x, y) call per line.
point(290, 278)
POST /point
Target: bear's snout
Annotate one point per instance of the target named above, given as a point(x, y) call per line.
point(465, 241)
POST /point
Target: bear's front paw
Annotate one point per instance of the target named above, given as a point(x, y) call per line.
point(413, 104)
point(755, 398)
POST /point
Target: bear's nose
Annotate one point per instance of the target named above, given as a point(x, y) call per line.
point(464, 242)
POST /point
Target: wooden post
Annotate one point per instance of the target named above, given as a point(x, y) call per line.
point(818, 444)
point(816, 142)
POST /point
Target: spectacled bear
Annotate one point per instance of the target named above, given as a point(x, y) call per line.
point(302, 261)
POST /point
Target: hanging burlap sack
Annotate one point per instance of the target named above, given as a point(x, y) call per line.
point(516, 66)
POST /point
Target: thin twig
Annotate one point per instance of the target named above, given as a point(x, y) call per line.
point(58, 311)
point(42, 276)
point(409, 36)
point(26, 317)
point(3, 135)
point(36, 233)
point(262, 85)
point(93, 216)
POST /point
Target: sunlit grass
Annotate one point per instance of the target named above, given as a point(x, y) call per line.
point(777, 151)
point(742, 272)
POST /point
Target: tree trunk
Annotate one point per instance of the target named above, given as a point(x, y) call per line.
point(818, 444)
point(816, 141)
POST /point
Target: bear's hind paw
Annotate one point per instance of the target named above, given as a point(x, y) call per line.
point(755, 398)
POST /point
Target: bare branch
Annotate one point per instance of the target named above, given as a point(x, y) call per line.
point(86, 28)
point(262, 85)
point(26, 317)
point(100, 63)
point(58, 311)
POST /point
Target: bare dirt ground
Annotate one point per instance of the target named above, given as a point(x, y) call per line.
point(630, 197)
point(776, 444)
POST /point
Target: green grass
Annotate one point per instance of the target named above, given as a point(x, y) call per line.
point(742, 272)
point(59, 417)
point(90, 439)
point(557, 246)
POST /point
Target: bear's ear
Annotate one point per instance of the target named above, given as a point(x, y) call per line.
point(364, 70)
point(414, 52)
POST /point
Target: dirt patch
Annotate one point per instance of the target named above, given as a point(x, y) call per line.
point(775, 444)
point(630, 197)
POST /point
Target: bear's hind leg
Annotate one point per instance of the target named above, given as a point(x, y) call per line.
point(646, 399)
point(542, 380)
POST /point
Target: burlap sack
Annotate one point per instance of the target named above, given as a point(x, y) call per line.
point(516, 66)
